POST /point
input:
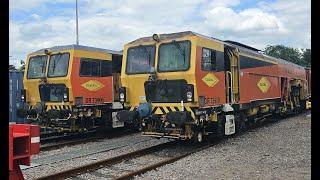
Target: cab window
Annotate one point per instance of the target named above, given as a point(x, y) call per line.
point(58, 65)
point(95, 67)
point(208, 60)
point(174, 56)
point(140, 59)
point(37, 67)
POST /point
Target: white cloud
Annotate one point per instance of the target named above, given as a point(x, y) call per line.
point(296, 16)
point(29, 4)
point(36, 16)
point(221, 3)
point(111, 24)
point(223, 19)
point(24, 5)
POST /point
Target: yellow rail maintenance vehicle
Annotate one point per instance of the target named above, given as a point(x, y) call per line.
point(72, 88)
point(187, 86)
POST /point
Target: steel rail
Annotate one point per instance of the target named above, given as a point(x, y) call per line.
point(161, 163)
point(66, 143)
point(83, 139)
point(56, 138)
point(106, 162)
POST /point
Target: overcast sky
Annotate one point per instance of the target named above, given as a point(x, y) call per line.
point(36, 24)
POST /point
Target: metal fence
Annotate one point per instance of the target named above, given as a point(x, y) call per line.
point(15, 86)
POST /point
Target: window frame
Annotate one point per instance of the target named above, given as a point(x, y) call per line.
point(175, 70)
point(93, 59)
point(215, 59)
point(29, 66)
point(67, 68)
point(154, 58)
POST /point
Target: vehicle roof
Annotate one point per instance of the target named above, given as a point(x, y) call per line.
point(77, 47)
point(242, 47)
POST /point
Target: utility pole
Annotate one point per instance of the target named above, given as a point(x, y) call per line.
point(77, 29)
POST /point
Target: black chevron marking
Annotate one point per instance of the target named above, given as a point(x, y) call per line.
point(163, 111)
point(154, 110)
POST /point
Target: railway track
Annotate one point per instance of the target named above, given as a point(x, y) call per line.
point(136, 158)
point(58, 142)
point(57, 145)
point(153, 166)
point(54, 137)
point(75, 155)
point(102, 168)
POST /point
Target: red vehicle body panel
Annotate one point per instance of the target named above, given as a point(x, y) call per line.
point(99, 95)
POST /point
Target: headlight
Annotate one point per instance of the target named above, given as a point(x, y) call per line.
point(189, 96)
point(122, 94)
point(23, 95)
point(190, 93)
point(65, 95)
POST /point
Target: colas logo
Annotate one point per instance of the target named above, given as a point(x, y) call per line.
point(92, 85)
point(210, 80)
point(264, 84)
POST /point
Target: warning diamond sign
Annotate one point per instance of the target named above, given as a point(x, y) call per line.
point(264, 84)
point(210, 79)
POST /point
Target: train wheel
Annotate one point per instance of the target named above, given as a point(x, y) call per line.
point(198, 137)
point(240, 122)
point(220, 127)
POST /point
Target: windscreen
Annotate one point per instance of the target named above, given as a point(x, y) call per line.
point(140, 59)
point(169, 91)
point(58, 65)
point(37, 67)
point(174, 56)
point(52, 92)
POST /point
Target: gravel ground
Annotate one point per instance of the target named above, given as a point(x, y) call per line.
point(280, 150)
point(77, 155)
point(93, 147)
point(130, 165)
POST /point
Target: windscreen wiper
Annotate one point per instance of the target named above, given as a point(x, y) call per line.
point(181, 51)
point(148, 54)
point(43, 66)
point(56, 62)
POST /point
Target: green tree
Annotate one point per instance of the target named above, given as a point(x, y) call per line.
point(306, 57)
point(12, 67)
point(286, 53)
point(23, 65)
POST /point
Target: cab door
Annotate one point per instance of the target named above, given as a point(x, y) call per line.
point(232, 68)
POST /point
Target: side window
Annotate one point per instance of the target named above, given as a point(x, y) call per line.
point(106, 68)
point(95, 67)
point(85, 68)
point(95, 70)
point(116, 63)
point(208, 60)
